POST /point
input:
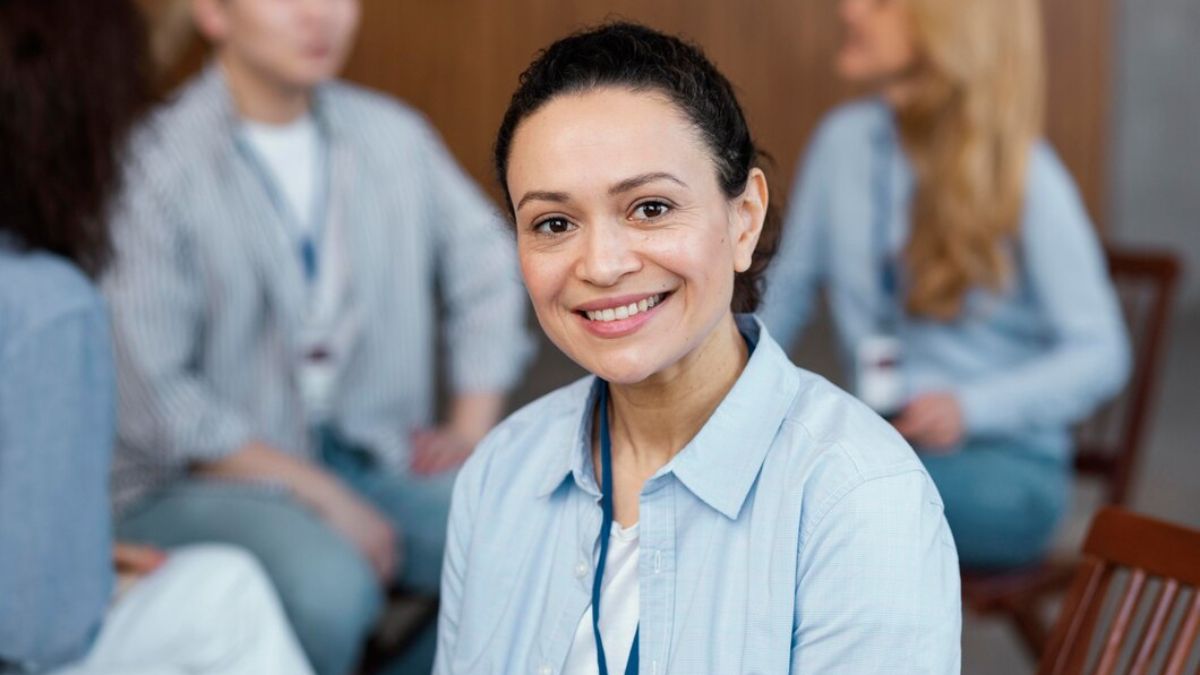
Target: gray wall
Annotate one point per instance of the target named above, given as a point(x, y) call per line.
point(1156, 146)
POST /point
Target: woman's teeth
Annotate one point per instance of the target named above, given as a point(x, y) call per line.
point(626, 311)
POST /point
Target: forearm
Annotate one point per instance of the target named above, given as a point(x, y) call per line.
point(308, 482)
point(1055, 390)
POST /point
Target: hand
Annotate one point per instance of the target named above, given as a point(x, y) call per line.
point(932, 422)
point(368, 530)
point(137, 560)
point(337, 505)
point(438, 450)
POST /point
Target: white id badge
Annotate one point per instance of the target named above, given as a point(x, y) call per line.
point(880, 379)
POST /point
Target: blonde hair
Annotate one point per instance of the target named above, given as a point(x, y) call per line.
point(968, 127)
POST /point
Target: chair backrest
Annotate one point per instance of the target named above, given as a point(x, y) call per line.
point(1147, 553)
point(1107, 444)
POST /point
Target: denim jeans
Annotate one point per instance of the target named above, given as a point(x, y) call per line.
point(1003, 503)
point(329, 592)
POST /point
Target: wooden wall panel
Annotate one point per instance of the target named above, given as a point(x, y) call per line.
point(458, 61)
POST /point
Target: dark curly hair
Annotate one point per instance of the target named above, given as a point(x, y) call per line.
point(74, 76)
point(629, 55)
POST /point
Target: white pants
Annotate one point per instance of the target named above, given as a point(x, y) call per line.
point(208, 610)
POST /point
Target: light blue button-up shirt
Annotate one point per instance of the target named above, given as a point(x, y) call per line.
point(1025, 362)
point(796, 533)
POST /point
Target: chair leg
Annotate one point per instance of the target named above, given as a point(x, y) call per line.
point(1031, 627)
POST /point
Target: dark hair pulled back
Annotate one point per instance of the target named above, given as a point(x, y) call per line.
point(636, 57)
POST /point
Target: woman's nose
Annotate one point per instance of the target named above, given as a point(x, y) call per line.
point(609, 253)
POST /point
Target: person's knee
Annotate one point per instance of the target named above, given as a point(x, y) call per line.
point(334, 596)
point(425, 537)
point(1004, 523)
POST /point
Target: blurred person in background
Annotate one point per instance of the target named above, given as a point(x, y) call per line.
point(283, 240)
point(71, 84)
point(967, 285)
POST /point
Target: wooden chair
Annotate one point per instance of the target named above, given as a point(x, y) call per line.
point(1107, 444)
point(1145, 553)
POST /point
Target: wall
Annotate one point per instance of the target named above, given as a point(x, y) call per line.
point(458, 61)
point(1156, 146)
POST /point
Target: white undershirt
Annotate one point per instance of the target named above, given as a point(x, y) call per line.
point(618, 610)
point(289, 152)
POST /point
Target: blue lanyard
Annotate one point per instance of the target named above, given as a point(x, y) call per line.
point(606, 506)
point(889, 274)
point(307, 244)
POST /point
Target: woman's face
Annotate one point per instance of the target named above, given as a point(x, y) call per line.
point(627, 244)
point(878, 46)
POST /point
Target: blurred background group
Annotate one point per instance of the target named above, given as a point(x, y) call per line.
point(284, 508)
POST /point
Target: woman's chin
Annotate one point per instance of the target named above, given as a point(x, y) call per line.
point(620, 371)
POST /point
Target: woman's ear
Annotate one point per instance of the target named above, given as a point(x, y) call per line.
point(749, 214)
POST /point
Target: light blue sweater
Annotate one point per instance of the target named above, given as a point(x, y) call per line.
point(1024, 363)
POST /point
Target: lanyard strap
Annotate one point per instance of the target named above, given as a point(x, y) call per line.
point(889, 273)
point(306, 232)
point(606, 506)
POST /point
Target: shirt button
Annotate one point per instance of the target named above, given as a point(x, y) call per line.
point(581, 569)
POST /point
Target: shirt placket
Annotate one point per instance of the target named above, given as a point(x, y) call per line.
point(656, 574)
point(573, 583)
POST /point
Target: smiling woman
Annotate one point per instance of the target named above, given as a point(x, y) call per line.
point(699, 504)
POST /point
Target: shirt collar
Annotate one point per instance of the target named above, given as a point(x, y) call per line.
point(722, 462)
point(577, 462)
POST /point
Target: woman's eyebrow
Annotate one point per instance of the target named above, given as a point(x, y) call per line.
point(638, 181)
point(543, 195)
point(624, 186)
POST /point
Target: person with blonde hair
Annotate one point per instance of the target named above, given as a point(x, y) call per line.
point(966, 283)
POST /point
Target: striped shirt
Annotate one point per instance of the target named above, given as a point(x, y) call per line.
point(208, 294)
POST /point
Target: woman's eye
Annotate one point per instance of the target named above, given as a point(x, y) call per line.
point(650, 210)
point(553, 226)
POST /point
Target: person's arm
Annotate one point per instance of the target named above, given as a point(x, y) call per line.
point(487, 342)
point(471, 417)
point(877, 587)
point(56, 434)
point(350, 515)
point(156, 294)
point(797, 270)
point(1088, 358)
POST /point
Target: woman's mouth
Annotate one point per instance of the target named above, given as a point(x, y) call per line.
point(622, 312)
point(620, 318)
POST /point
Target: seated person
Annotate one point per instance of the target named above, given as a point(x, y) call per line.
point(286, 244)
point(698, 504)
point(204, 609)
point(965, 280)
